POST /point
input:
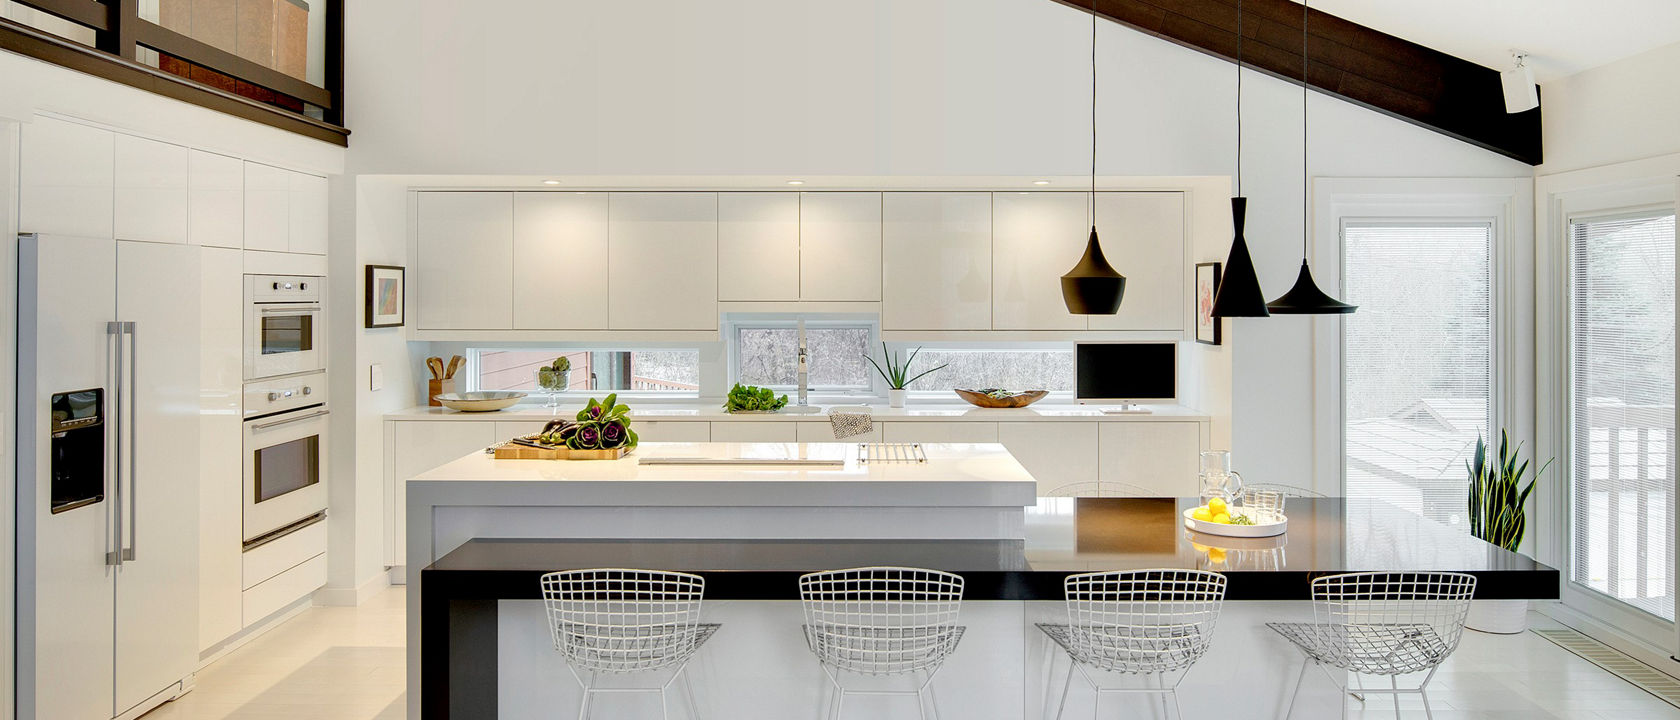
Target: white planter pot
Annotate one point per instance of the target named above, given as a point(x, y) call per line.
point(895, 398)
point(1500, 617)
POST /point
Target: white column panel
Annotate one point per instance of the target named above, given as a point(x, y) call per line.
point(560, 261)
point(662, 266)
point(268, 208)
point(67, 178)
point(465, 261)
point(758, 246)
point(940, 273)
point(308, 214)
point(1144, 238)
point(1036, 237)
point(221, 474)
point(840, 246)
point(215, 200)
point(151, 190)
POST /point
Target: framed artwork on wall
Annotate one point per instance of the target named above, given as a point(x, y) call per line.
point(384, 297)
point(1207, 283)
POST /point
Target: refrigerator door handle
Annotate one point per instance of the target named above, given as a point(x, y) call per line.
point(114, 331)
point(130, 424)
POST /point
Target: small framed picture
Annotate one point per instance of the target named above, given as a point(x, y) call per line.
point(384, 297)
point(1207, 283)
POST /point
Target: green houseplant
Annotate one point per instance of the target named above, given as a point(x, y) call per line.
point(897, 374)
point(1498, 500)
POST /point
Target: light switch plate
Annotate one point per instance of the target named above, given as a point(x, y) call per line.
point(376, 377)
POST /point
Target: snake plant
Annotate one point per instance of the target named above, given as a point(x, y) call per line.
point(1498, 494)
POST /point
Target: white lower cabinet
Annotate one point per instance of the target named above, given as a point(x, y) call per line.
point(1057, 454)
point(671, 430)
point(414, 448)
point(506, 430)
point(816, 432)
point(754, 431)
point(277, 592)
point(940, 432)
point(1158, 456)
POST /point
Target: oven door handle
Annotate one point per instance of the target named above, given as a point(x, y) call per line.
point(287, 421)
point(292, 310)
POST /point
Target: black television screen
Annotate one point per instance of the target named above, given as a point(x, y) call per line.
point(1126, 371)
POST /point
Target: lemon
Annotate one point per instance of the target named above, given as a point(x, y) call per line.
point(1222, 519)
point(1216, 555)
point(1202, 514)
point(1200, 547)
point(1216, 506)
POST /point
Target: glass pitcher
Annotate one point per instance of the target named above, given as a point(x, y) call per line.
point(1217, 478)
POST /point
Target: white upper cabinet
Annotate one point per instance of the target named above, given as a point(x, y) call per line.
point(66, 179)
point(151, 191)
point(465, 261)
point(1036, 237)
point(662, 266)
point(758, 246)
point(307, 232)
point(938, 269)
point(560, 261)
point(215, 200)
point(268, 208)
point(840, 246)
point(1143, 238)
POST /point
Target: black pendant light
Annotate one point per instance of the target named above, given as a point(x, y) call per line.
point(1238, 294)
point(1093, 287)
point(1305, 298)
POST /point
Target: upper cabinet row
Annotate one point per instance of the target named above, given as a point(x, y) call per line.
point(936, 261)
point(90, 182)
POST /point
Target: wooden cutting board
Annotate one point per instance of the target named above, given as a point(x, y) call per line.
point(515, 451)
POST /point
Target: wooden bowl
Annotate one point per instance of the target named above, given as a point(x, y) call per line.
point(1018, 400)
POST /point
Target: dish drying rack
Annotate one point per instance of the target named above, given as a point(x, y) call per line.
point(891, 453)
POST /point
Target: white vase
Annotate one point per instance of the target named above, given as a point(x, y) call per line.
point(1500, 617)
point(895, 398)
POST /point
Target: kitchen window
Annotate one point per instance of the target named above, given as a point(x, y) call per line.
point(767, 354)
point(981, 368)
point(662, 372)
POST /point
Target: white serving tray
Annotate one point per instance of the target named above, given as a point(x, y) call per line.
point(1266, 524)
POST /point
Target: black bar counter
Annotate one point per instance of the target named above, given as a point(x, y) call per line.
point(459, 592)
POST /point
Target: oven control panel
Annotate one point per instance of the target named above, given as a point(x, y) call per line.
point(262, 289)
point(284, 393)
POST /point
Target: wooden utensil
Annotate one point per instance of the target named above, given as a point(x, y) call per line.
point(435, 364)
point(455, 363)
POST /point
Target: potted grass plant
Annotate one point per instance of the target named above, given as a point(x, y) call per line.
point(1498, 500)
point(897, 374)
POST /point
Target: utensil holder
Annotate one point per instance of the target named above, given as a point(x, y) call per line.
point(436, 387)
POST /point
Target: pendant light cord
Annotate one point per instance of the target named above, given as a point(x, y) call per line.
point(1239, 94)
point(1091, 200)
point(1305, 172)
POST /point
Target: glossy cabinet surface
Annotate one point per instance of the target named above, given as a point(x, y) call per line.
point(939, 272)
point(754, 432)
point(662, 265)
point(672, 431)
point(840, 246)
point(414, 448)
point(940, 432)
point(465, 246)
point(1056, 454)
point(220, 504)
point(268, 208)
point(1036, 237)
point(1161, 457)
point(215, 200)
point(66, 177)
point(307, 214)
point(560, 260)
point(1148, 246)
point(758, 237)
point(150, 203)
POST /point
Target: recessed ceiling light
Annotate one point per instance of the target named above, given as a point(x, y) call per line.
point(1041, 182)
point(551, 182)
point(796, 182)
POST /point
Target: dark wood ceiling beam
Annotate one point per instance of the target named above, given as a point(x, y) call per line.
point(1432, 89)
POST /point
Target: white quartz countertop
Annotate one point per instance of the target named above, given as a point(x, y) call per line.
point(713, 412)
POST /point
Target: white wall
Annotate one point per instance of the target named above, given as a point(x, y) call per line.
point(1627, 110)
point(878, 88)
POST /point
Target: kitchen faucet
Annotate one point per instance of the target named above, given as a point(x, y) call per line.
point(804, 365)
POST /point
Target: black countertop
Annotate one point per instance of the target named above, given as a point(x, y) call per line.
point(1064, 535)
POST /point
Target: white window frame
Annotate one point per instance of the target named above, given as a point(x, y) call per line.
point(733, 326)
point(1588, 195)
point(1505, 204)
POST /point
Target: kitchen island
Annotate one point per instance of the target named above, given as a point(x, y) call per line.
point(480, 647)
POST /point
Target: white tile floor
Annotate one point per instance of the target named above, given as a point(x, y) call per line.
point(334, 663)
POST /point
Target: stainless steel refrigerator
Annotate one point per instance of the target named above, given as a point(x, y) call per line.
point(108, 385)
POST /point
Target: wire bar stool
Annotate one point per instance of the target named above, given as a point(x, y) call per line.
point(1152, 623)
point(1381, 623)
point(882, 621)
point(615, 621)
point(1104, 489)
point(1284, 490)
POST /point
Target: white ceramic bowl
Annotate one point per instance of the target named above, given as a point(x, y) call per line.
point(481, 401)
point(1266, 524)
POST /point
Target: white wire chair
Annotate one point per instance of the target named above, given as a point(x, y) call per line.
point(1154, 623)
point(1284, 490)
point(1381, 623)
point(616, 621)
point(1104, 489)
point(881, 621)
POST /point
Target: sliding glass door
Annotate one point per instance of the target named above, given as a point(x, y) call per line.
point(1621, 409)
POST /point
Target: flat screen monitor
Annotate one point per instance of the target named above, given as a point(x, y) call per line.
point(1126, 372)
